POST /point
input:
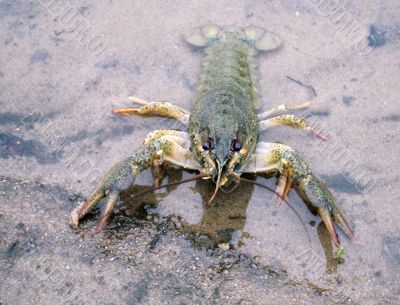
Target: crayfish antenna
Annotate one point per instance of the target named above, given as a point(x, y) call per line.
point(217, 184)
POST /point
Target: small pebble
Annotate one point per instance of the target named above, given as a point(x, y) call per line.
point(224, 246)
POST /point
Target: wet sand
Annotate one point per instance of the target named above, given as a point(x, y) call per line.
point(62, 73)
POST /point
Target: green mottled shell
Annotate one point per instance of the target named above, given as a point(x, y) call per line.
point(227, 92)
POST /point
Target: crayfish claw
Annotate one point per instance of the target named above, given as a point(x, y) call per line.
point(317, 196)
point(283, 187)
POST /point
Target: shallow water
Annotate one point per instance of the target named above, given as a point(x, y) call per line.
point(58, 135)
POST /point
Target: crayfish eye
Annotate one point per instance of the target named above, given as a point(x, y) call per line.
point(236, 145)
point(207, 144)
